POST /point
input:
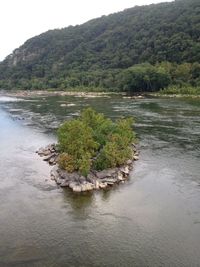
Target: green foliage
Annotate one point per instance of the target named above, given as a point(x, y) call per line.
point(102, 127)
point(106, 51)
point(116, 150)
point(67, 162)
point(144, 77)
point(94, 141)
point(181, 90)
point(75, 138)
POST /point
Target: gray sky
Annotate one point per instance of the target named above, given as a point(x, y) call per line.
point(23, 19)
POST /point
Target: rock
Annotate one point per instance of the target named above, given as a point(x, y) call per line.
point(77, 188)
point(120, 176)
point(91, 178)
point(94, 180)
point(40, 151)
point(72, 184)
point(64, 174)
point(129, 162)
point(106, 173)
point(59, 181)
point(52, 161)
point(125, 170)
point(48, 157)
point(109, 181)
point(54, 174)
point(65, 183)
point(87, 187)
point(82, 179)
point(46, 153)
point(102, 185)
point(96, 184)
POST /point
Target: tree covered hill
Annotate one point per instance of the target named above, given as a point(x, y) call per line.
point(99, 49)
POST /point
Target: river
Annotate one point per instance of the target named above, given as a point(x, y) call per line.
point(151, 220)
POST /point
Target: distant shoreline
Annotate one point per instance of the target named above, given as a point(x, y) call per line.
point(35, 93)
point(25, 93)
point(173, 95)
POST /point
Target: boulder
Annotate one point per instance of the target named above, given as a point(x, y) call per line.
point(46, 153)
point(54, 174)
point(87, 187)
point(109, 181)
point(125, 170)
point(77, 189)
point(129, 162)
point(96, 185)
point(120, 176)
point(94, 180)
point(135, 157)
point(48, 157)
point(59, 181)
point(103, 185)
point(65, 183)
point(91, 178)
point(40, 151)
point(52, 161)
point(72, 184)
point(106, 173)
point(82, 179)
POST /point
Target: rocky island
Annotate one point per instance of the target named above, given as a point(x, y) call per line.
point(92, 152)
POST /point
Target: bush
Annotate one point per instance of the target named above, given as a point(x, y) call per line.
point(181, 90)
point(67, 162)
point(116, 150)
point(93, 141)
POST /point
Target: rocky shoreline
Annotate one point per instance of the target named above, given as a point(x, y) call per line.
point(95, 180)
point(44, 93)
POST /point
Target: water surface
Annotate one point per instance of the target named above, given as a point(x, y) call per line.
point(151, 220)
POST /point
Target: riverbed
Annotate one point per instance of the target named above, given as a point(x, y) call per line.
point(151, 220)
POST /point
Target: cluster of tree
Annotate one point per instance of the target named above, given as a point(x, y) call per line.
point(148, 78)
point(181, 90)
point(93, 141)
point(93, 54)
point(143, 77)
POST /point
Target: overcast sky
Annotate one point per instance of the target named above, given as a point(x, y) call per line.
point(23, 19)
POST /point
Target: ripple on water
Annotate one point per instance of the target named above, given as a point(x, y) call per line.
point(151, 220)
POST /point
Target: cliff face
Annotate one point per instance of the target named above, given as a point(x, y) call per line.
point(154, 33)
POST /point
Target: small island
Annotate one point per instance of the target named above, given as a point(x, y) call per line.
point(93, 152)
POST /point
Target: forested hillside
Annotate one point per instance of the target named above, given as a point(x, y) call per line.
point(105, 52)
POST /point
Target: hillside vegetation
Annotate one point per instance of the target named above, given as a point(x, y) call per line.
point(140, 49)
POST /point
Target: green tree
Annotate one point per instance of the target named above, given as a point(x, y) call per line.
point(94, 141)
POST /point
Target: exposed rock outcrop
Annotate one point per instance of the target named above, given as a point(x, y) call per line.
point(95, 180)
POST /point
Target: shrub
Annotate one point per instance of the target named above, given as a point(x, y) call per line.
point(181, 90)
point(67, 162)
point(94, 141)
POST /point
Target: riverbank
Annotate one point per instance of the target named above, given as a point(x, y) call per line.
point(46, 93)
point(95, 180)
point(161, 95)
point(35, 93)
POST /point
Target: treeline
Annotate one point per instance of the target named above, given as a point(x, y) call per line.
point(105, 51)
point(138, 78)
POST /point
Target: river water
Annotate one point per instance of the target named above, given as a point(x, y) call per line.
point(151, 220)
